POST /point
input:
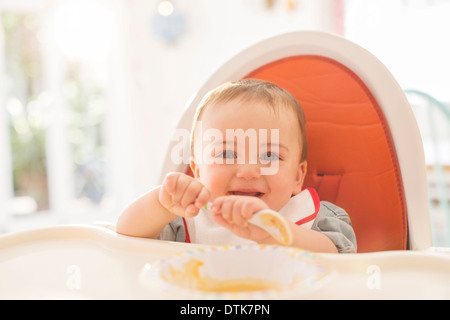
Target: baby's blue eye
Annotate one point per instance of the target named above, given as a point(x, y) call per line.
point(269, 156)
point(227, 154)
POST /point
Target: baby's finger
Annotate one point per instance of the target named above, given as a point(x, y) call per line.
point(190, 193)
point(202, 198)
point(182, 185)
point(217, 204)
point(191, 211)
point(226, 210)
point(239, 231)
point(236, 214)
point(218, 218)
point(248, 209)
point(170, 182)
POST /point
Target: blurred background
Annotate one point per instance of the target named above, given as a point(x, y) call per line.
point(91, 90)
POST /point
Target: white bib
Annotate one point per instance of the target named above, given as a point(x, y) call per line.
point(300, 209)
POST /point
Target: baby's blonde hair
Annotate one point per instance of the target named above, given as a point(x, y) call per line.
point(245, 90)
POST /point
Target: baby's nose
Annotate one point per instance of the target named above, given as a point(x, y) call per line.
point(248, 171)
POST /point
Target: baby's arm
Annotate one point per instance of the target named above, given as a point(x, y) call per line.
point(309, 239)
point(233, 213)
point(145, 217)
point(179, 195)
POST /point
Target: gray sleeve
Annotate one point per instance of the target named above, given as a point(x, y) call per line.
point(174, 231)
point(335, 223)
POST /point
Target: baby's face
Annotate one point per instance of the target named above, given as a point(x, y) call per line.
point(265, 164)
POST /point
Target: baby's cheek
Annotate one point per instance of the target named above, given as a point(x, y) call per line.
point(279, 195)
point(214, 182)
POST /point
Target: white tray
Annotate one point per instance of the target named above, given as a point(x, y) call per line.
point(89, 262)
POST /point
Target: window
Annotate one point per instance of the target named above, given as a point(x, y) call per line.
point(24, 101)
point(57, 105)
point(410, 38)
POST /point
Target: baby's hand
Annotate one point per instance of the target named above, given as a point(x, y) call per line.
point(233, 213)
point(183, 195)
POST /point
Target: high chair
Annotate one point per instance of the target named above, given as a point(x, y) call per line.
point(365, 150)
point(365, 155)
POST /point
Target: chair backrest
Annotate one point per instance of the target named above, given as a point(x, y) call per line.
point(365, 151)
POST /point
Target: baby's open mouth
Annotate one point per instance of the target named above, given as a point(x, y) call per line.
point(246, 193)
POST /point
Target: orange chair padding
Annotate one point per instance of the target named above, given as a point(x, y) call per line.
point(351, 159)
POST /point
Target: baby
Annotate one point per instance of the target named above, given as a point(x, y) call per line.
point(248, 153)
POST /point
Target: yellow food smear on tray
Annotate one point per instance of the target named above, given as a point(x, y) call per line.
point(269, 220)
point(189, 277)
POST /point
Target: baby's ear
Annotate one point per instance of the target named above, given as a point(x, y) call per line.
point(300, 178)
point(195, 169)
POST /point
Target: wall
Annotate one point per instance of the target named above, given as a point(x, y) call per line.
point(163, 76)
